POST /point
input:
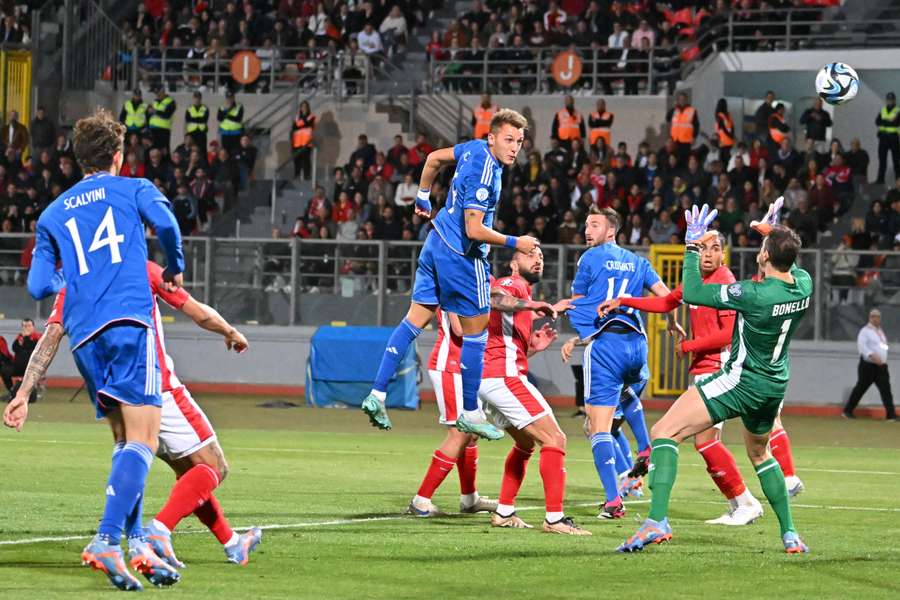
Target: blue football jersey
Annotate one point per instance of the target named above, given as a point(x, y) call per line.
point(476, 184)
point(96, 229)
point(606, 272)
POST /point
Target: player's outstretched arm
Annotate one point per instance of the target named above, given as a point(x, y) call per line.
point(653, 304)
point(16, 412)
point(511, 304)
point(569, 347)
point(208, 318)
point(476, 231)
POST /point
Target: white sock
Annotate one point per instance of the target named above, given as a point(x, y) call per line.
point(161, 527)
point(553, 517)
point(468, 500)
point(745, 499)
point(380, 395)
point(420, 501)
point(235, 538)
point(474, 416)
point(505, 510)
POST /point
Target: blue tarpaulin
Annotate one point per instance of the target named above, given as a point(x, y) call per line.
point(343, 362)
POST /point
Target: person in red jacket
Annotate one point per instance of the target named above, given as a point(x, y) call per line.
point(12, 364)
point(709, 346)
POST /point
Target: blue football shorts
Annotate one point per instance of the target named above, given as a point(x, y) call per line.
point(119, 366)
point(613, 360)
point(459, 284)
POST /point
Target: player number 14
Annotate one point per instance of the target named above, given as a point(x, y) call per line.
point(112, 239)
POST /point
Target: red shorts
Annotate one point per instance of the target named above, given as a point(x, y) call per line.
point(183, 427)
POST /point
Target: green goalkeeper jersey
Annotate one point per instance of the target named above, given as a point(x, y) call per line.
point(769, 312)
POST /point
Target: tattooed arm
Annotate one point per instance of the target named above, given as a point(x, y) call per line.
point(510, 304)
point(17, 410)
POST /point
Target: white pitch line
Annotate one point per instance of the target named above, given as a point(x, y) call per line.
point(383, 453)
point(340, 522)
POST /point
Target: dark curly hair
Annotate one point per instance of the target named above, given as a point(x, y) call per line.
point(96, 140)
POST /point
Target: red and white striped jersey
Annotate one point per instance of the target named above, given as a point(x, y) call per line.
point(447, 347)
point(509, 334)
point(174, 299)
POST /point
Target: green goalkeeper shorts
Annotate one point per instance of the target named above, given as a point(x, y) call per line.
point(756, 401)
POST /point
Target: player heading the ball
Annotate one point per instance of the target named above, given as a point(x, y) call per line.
point(453, 270)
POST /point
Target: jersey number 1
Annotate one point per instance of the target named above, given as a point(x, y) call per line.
point(780, 345)
point(112, 239)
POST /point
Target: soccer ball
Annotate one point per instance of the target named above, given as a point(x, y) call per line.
point(837, 83)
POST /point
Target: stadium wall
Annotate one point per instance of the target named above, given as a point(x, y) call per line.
point(822, 372)
point(792, 76)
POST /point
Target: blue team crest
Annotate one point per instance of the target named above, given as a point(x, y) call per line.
point(481, 194)
point(466, 156)
point(735, 290)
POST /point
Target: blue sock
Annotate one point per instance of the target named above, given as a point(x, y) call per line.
point(471, 359)
point(634, 415)
point(124, 488)
point(134, 527)
point(623, 461)
point(603, 446)
point(404, 334)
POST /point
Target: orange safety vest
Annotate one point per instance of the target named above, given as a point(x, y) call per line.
point(600, 132)
point(569, 125)
point(682, 127)
point(776, 134)
point(302, 136)
point(725, 139)
point(483, 118)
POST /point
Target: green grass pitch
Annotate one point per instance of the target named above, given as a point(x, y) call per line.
point(331, 490)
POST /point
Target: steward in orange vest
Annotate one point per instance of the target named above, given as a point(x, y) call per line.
point(683, 127)
point(568, 124)
point(778, 129)
point(600, 122)
point(302, 140)
point(481, 117)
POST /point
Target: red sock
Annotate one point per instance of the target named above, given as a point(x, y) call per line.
point(440, 467)
point(190, 491)
point(723, 469)
point(513, 474)
point(466, 467)
point(553, 472)
point(780, 444)
point(211, 515)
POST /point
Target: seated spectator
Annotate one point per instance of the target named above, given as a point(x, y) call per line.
point(317, 203)
point(343, 210)
point(365, 151)
point(858, 161)
point(393, 31)
point(805, 222)
point(132, 167)
point(838, 176)
point(380, 167)
point(877, 223)
point(186, 209)
point(405, 195)
point(662, 228)
point(22, 348)
point(370, 41)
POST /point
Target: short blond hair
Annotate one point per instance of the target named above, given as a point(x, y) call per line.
point(508, 116)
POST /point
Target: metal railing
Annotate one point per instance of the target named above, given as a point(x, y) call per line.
point(602, 70)
point(317, 281)
point(94, 47)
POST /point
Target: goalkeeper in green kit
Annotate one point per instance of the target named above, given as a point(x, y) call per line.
point(751, 384)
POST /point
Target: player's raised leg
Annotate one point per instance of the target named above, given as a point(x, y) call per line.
point(773, 485)
point(743, 508)
point(686, 417)
point(404, 334)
